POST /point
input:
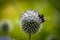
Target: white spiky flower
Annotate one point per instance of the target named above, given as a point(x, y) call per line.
point(6, 25)
point(30, 21)
point(31, 15)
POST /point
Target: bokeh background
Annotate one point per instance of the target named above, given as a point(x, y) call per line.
point(13, 9)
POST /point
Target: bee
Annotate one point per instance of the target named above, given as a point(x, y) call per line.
point(42, 18)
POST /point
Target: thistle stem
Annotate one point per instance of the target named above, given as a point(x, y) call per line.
point(29, 36)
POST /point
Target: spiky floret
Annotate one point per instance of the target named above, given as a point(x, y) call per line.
point(30, 21)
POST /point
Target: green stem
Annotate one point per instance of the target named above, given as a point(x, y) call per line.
point(29, 36)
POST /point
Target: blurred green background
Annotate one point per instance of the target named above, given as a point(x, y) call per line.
point(12, 9)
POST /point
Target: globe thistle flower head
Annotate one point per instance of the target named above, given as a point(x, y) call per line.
point(30, 21)
point(6, 25)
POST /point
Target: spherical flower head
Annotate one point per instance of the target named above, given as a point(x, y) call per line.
point(6, 25)
point(30, 21)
